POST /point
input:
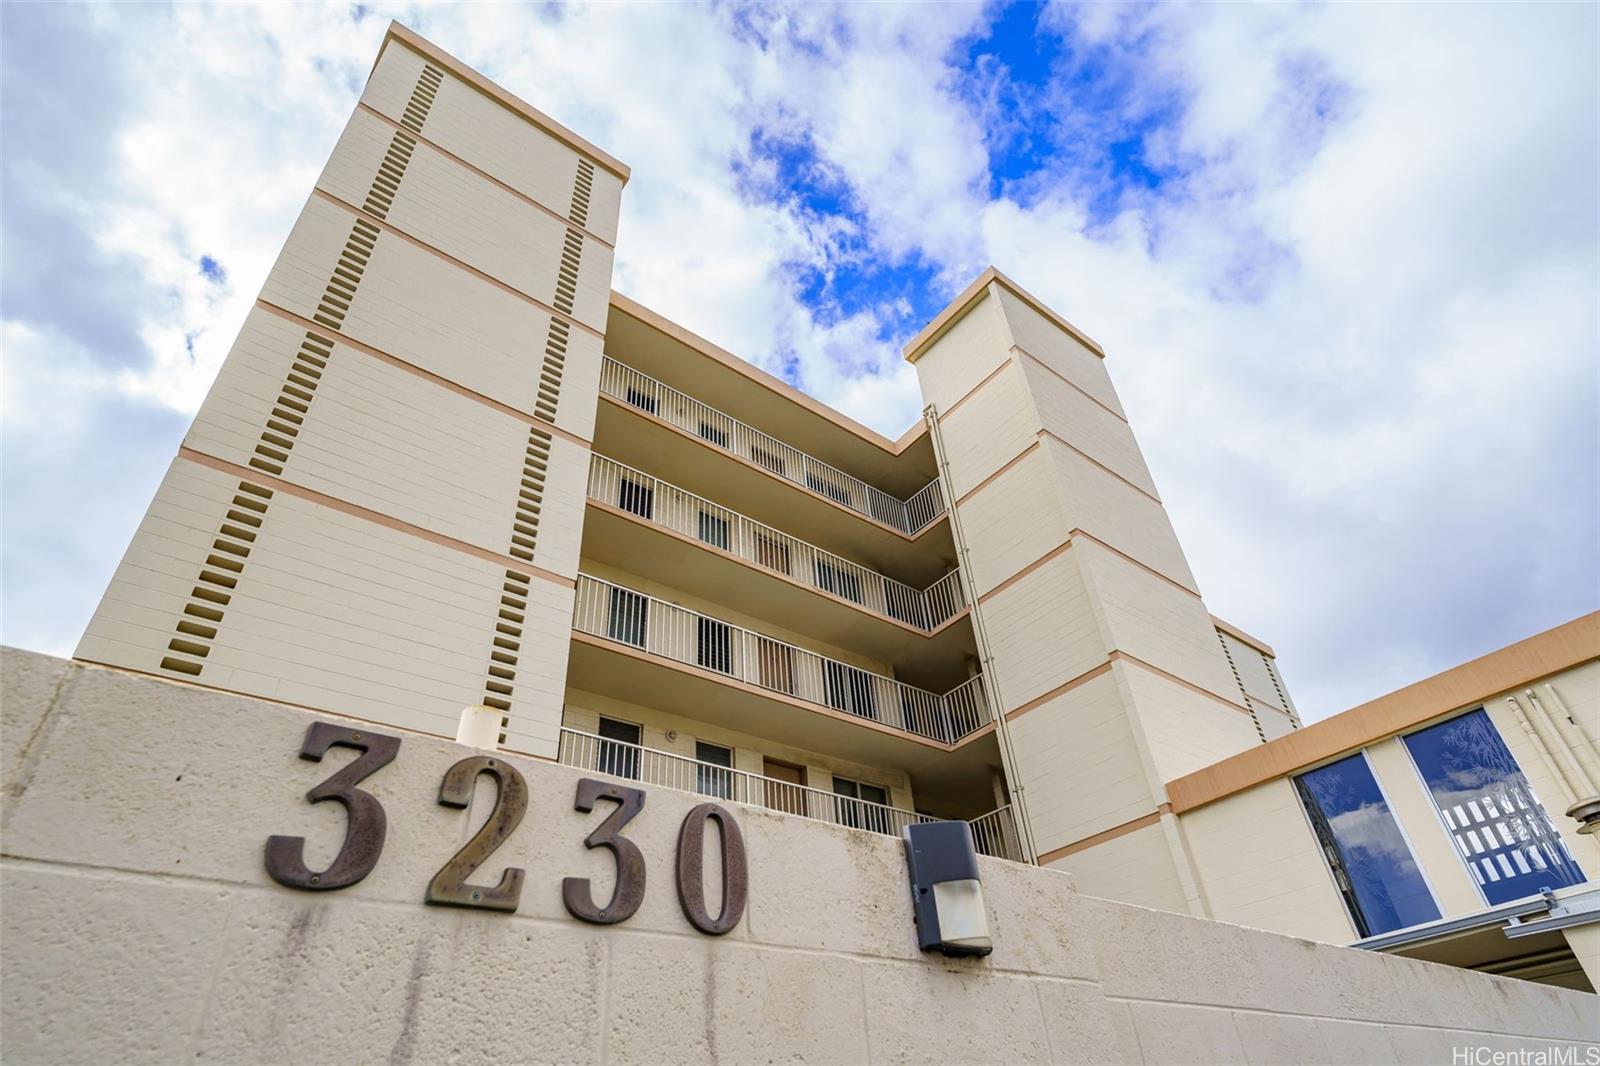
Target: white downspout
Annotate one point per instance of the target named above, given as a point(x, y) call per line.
point(991, 679)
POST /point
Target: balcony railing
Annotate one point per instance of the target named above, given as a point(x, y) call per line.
point(680, 510)
point(604, 609)
point(624, 383)
point(994, 833)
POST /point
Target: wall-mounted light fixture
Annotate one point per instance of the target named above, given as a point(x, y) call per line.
point(946, 894)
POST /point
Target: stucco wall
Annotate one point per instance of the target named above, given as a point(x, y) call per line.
point(139, 925)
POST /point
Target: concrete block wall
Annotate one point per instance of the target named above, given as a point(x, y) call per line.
point(1108, 666)
point(407, 413)
point(140, 926)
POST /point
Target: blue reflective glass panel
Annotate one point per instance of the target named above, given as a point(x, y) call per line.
point(1507, 839)
point(1373, 866)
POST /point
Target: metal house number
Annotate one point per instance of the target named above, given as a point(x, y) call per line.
point(368, 826)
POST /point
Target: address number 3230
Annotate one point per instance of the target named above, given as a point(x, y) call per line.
point(368, 825)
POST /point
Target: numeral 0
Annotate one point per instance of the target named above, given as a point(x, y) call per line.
point(691, 870)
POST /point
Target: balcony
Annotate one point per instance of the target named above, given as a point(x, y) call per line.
point(770, 666)
point(908, 517)
point(666, 505)
point(994, 834)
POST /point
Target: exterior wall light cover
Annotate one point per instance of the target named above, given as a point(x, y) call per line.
point(946, 892)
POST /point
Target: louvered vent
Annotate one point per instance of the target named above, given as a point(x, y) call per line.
point(381, 194)
point(530, 496)
point(582, 189)
point(293, 404)
point(197, 629)
point(500, 684)
point(341, 290)
point(1239, 681)
point(422, 95)
point(555, 345)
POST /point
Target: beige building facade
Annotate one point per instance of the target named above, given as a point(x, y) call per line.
point(445, 466)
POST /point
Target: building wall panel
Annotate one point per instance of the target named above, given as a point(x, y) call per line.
point(1112, 511)
point(1147, 618)
point(1069, 414)
point(470, 125)
point(447, 206)
point(426, 311)
point(1260, 866)
point(1063, 353)
point(1135, 868)
point(968, 352)
point(1079, 765)
point(1011, 523)
point(379, 437)
point(1043, 632)
point(989, 430)
point(329, 611)
point(1183, 729)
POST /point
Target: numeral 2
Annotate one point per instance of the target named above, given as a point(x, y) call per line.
point(448, 886)
point(363, 840)
point(629, 893)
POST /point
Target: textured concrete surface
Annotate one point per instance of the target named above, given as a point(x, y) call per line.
point(137, 924)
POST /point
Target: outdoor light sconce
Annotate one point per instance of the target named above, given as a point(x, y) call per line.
point(946, 894)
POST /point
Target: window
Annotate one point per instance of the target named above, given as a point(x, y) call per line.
point(850, 689)
point(643, 401)
point(713, 645)
point(828, 487)
point(716, 436)
point(862, 806)
point(838, 580)
point(628, 617)
point(1486, 803)
point(636, 497)
point(767, 459)
point(618, 753)
point(1370, 860)
point(715, 779)
point(714, 530)
point(772, 553)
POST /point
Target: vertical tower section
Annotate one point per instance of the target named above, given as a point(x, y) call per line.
point(378, 508)
point(1101, 654)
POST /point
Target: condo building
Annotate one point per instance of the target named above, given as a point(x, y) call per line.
point(445, 466)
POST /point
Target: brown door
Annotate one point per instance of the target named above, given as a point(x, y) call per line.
point(777, 665)
point(786, 790)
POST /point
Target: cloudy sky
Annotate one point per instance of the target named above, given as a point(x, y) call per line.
point(1344, 259)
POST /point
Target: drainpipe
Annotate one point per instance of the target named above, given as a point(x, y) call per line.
point(991, 682)
point(1581, 746)
point(1586, 766)
point(1539, 745)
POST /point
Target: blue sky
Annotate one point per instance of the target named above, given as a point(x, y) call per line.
point(1344, 259)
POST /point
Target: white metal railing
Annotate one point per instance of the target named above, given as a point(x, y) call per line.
point(678, 509)
point(994, 834)
point(608, 610)
point(622, 382)
point(668, 770)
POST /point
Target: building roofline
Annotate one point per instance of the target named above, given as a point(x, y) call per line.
point(1234, 631)
point(1460, 687)
point(398, 31)
point(634, 309)
point(969, 296)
